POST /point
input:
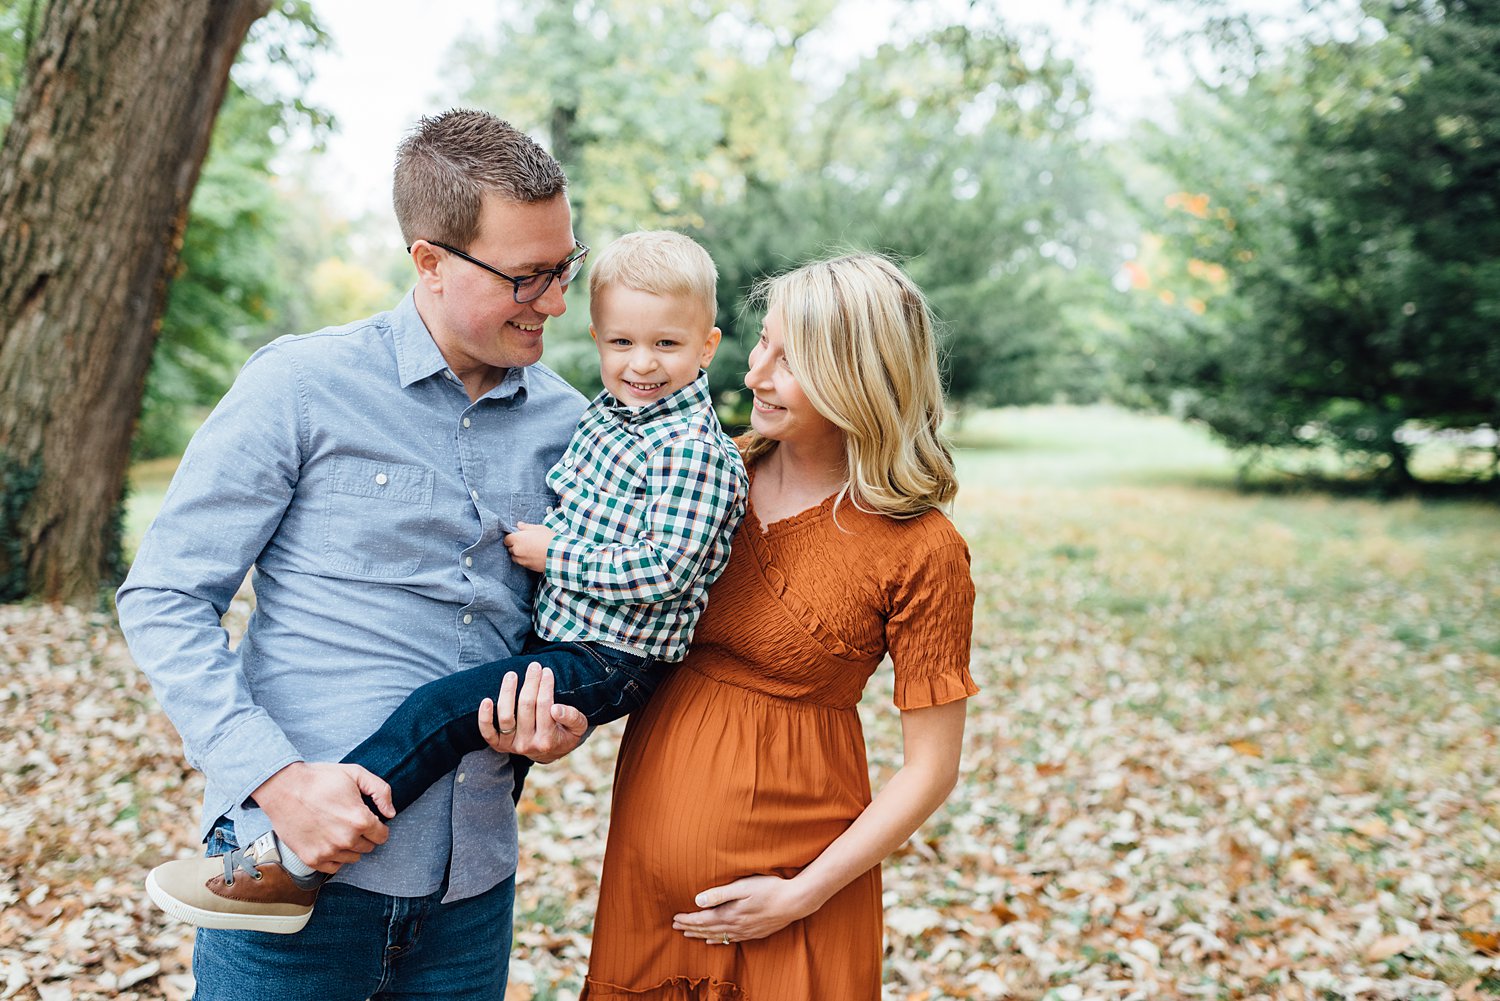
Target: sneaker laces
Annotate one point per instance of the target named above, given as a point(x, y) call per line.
point(239, 858)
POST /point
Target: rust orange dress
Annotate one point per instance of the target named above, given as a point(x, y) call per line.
point(750, 758)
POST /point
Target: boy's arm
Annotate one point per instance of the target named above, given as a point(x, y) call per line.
point(696, 496)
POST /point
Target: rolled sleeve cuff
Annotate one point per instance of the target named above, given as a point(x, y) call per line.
point(241, 761)
point(566, 557)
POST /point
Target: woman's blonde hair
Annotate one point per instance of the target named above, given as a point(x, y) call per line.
point(859, 338)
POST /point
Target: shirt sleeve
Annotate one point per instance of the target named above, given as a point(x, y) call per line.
point(930, 627)
point(225, 502)
point(695, 496)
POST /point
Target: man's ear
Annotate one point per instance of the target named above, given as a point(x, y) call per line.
point(426, 259)
point(710, 346)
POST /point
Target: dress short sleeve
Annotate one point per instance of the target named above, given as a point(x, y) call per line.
point(931, 624)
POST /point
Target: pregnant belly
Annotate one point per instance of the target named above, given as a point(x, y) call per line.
point(715, 782)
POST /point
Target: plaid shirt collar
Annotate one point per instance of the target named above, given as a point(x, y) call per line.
point(687, 400)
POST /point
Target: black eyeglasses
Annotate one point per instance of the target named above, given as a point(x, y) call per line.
point(528, 288)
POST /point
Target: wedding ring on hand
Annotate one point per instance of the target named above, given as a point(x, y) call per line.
point(725, 939)
point(506, 733)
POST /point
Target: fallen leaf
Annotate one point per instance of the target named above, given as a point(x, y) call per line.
point(1487, 942)
point(1388, 946)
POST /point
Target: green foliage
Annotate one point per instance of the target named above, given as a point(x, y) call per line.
point(227, 282)
point(1328, 275)
point(955, 151)
point(17, 484)
point(17, 26)
point(232, 285)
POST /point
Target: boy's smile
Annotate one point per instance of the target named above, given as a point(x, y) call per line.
point(650, 345)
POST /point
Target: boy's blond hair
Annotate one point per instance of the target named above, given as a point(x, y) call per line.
point(660, 262)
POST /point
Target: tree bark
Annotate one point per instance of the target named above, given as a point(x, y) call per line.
point(99, 164)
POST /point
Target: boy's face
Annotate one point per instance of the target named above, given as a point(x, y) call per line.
point(650, 345)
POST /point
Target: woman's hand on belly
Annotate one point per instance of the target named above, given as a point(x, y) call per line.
point(748, 908)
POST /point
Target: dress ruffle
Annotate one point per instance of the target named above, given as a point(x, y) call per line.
point(672, 989)
point(921, 692)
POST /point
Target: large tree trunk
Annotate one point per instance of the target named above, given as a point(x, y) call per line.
point(110, 130)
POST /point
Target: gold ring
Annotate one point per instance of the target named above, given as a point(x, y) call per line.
point(724, 940)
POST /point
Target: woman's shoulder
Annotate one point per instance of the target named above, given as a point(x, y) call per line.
point(919, 536)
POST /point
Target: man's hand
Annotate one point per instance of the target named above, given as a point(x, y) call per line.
point(530, 723)
point(528, 546)
point(318, 810)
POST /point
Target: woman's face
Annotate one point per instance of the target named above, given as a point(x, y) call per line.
point(781, 411)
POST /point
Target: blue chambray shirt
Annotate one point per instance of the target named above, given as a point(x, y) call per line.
point(351, 470)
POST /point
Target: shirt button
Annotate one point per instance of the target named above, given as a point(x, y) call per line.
point(568, 461)
point(468, 619)
point(468, 561)
point(466, 422)
point(474, 494)
point(382, 479)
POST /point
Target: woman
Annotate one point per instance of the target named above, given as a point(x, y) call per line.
point(744, 848)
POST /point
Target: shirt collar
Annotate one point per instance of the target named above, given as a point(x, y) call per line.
point(418, 357)
point(690, 398)
point(417, 354)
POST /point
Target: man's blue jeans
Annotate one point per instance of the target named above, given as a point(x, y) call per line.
point(362, 945)
point(438, 723)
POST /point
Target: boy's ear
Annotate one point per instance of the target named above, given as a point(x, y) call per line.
point(592, 334)
point(710, 345)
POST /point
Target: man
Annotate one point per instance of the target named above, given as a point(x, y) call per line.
point(369, 473)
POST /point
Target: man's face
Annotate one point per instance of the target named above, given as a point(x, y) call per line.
point(480, 328)
point(650, 345)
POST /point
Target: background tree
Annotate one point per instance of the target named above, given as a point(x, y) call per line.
point(109, 131)
point(957, 150)
point(1331, 252)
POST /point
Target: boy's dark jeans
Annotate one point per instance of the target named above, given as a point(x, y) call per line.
point(438, 724)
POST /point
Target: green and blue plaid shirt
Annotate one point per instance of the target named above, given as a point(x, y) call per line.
point(648, 501)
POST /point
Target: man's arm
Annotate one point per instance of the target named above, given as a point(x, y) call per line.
point(225, 504)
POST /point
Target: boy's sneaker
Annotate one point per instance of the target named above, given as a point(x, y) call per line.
point(247, 889)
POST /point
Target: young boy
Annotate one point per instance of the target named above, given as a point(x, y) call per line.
point(650, 492)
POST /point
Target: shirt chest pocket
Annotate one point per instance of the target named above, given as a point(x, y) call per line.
point(377, 517)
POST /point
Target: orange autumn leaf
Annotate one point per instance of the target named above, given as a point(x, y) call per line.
point(1487, 942)
point(1248, 748)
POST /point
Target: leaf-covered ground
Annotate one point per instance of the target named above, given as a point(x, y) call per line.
point(1229, 746)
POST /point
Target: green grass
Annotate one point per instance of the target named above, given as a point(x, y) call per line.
point(1290, 603)
point(147, 487)
point(1085, 446)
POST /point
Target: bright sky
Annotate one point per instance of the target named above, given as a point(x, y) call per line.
point(387, 67)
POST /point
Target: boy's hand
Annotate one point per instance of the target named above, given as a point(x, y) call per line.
point(528, 545)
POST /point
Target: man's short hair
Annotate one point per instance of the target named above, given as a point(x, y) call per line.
point(660, 262)
point(449, 162)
